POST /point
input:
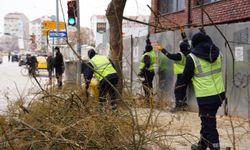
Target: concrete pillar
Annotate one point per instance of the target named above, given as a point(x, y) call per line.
point(70, 72)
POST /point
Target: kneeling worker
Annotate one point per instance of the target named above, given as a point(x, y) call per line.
point(103, 69)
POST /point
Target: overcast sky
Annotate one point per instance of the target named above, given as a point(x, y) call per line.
point(36, 8)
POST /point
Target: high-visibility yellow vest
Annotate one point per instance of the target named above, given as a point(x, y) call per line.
point(207, 79)
point(162, 62)
point(102, 66)
point(152, 56)
point(179, 65)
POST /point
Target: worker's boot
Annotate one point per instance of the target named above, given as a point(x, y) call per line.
point(200, 146)
point(215, 146)
point(50, 80)
point(196, 147)
point(181, 106)
point(59, 84)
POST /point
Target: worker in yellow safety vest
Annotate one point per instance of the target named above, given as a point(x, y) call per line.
point(104, 71)
point(147, 70)
point(204, 69)
point(179, 63)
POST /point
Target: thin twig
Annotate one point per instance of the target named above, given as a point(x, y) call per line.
point(6, 137)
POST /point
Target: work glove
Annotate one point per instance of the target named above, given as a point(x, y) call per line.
point(164, 51)
point(184, 36)
point(148, 42)
point(140, 74)
point(184, 46)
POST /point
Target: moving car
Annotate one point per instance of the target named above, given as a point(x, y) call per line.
point(42, 63)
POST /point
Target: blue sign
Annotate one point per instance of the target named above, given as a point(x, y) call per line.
point(58, 34)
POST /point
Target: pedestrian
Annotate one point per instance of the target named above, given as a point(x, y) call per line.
point(203, 68)
point(104, 71)
point(147, 70)
point(59, 66)
point(9, 55)
point(50, 66)
point(32, 64)
point(179, 63)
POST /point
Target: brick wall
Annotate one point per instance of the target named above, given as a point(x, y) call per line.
point(224, 11)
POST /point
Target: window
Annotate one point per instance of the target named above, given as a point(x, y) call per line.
point(198, 2)
point(168, 6)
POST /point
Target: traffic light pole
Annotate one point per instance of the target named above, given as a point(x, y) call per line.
point(57, 25)
point(78, 77)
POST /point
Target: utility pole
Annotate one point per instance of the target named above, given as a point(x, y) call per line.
point(131, 61)
point(78, 76)
point(57, 25)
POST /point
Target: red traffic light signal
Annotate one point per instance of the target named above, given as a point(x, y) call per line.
point(72, 12)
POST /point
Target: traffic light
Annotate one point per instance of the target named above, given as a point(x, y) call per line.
point(72, 12)
point(33, 38)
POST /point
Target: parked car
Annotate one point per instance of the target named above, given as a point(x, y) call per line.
point(14, 56)
point(1, 59)
point(42, 63)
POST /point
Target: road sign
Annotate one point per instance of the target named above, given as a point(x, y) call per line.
point(58, 34)
point(45, 32)
point(52, 25)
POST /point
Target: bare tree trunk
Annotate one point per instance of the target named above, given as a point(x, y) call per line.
point(114, 15)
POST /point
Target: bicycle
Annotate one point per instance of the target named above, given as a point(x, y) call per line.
point(25, 71)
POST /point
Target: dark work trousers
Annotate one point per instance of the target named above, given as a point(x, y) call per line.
point(59, 79)
point(148, 84)
point(106, 88)
point(209, 134)
point(180, 92)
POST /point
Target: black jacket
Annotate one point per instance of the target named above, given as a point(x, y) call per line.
point(205, 50)
point(59, 63)
point(50, 63)
point(175, 56)
point(32, 61)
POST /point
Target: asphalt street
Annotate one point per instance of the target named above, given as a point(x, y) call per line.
point(14, 85)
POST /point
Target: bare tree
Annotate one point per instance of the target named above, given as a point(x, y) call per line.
point(86, 36)
point(114, 15)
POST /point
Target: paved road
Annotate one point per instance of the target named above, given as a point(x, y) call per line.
point(13, 84)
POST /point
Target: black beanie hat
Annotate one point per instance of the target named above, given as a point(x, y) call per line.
point(198, 38)
point(184, 46)
point(57, 48)
point(91, 53)
point(148, 47)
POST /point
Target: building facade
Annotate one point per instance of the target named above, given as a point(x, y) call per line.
point(230, 35)
point(17, 25)
point(174, 13)
point(100, 28)
point(37, 30)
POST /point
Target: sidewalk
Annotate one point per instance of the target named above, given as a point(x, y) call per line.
point(180, 130)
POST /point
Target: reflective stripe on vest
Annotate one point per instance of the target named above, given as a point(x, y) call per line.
point(102, 66)
point(179, 65)
point(151, 54)
point(207, 79)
